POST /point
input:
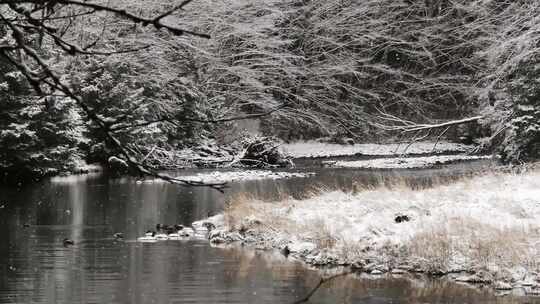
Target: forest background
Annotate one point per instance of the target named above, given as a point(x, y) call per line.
point(373, 71)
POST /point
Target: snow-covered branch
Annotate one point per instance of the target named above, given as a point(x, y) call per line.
point(405, 126)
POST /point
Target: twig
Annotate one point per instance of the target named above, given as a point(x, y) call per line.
point(321, 282)
point(439, 138)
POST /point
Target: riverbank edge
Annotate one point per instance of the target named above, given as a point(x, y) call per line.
point(193, 160)
point(253, 234)
point(368, 266)
point(321, 150)
point(371, 151)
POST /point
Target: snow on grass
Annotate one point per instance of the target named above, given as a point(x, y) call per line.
point(403, 162)
point(486, 228)
point(316, 149)
point(236, 176)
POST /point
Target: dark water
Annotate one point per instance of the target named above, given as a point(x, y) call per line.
point(36, 268)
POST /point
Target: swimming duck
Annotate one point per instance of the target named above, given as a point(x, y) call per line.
point(174, 232)
point(68, 242)
point(209, 226)
point(160, 227)
point(166, 229)
point(285, 250)
point(118, 236)
point(186, 232)
point(149, 236)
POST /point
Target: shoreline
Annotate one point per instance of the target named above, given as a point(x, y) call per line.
point(311, 151)
point(315, 150)
point(414, 162)
point(479, 231)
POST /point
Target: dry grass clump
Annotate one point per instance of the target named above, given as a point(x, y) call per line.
point(319, 232)
point(479, 245)
point(237, 208)
point(351, 251)
point(242, 210)
point(503, 247)
point(433, 247)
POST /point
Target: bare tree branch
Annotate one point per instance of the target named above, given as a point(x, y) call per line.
point(321, 282)
point(156, 22)
point(406, 126)
point(214, 121)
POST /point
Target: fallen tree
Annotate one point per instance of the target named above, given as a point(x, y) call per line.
point(262, 152)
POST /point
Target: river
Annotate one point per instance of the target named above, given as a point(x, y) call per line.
point(37, 268)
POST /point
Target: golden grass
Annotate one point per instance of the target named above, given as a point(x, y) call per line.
point(243, 206)
point(237, 208)
point(274, 216)
point(482, 245)
point(317, 231)
point(434, 247)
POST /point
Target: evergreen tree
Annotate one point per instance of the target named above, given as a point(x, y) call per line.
point(523, 139)
point(38, 136)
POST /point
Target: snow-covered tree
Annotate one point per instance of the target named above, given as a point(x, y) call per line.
point(38, 136)
point(522, 142)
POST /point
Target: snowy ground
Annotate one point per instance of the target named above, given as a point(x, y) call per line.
point(235, 176)
point(316, 149)
point(480, 230)
point(403, 162)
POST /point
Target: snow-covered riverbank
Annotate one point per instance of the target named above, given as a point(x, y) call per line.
point(403, 162)
point(313, 149)
point(480, 230)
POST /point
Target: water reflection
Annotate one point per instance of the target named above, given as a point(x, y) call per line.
point(37, 268)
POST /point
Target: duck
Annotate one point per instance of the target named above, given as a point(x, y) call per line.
point(118, 236)
point(165, 229)
point(186, 232)
point(285, 251)
point(68, 242)
point(209, 226)
point(149, 236)
point(173, 232)
point(162, 227)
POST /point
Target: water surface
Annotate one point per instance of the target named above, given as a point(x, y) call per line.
point(36, 268)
